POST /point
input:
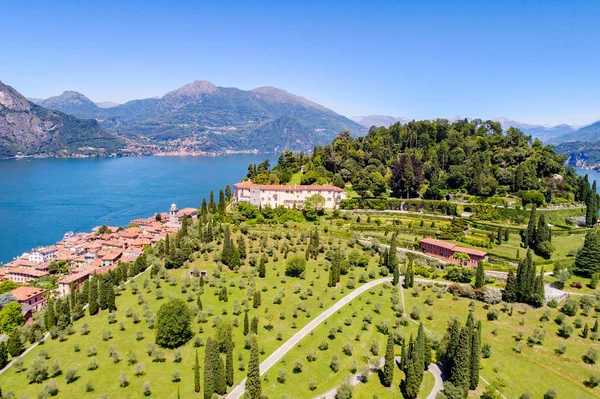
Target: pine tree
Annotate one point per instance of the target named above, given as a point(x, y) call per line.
point(196, 374)
point(110, 297)
point(3, 355)
point(510, 291)
point(93, 301)
point(480, 275)
point(14, 345)
point(209, 371)
point(587, 261)
point(253, 388)
point(460, 373)
point(475, 359)
point(246, 324)
point(388, 367)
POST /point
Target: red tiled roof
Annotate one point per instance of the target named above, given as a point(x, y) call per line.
point(27, 271)
point(75, 276)
point(289, 187)
point(452, 247)
point(24, 293)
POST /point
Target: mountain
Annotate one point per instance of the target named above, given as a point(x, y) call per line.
point(217, 118)
point(379, 120)
point(588, 133)
point(29, 129)
point(545, 133)
point(581, 153)
point(106, 104)
point(74, 103)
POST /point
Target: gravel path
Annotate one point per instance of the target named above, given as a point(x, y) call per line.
point(238, 391)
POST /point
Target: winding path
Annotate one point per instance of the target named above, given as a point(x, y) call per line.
point(238, 391)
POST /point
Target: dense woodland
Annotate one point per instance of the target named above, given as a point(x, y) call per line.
point(429, 159)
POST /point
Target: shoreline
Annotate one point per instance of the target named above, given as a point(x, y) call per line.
point(157, 154)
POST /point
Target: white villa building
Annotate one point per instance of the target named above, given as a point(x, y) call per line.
point(43, 254)
point(290, 196)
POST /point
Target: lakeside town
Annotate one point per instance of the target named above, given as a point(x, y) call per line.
point(79, 256)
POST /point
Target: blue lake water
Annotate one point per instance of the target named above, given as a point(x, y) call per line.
point(41, 199)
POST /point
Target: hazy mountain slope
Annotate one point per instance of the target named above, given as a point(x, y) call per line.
point(379, 120)
point(201, 110)
point(543, 132)
point(28, 129)
point(581, 154)
point(589, 133)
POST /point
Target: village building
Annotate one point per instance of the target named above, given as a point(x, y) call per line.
point(446, 250)
point(75, 279)
point(110, 258)
point(289, 196)
point(22, 275)
point(41, 255)
point(30, 296)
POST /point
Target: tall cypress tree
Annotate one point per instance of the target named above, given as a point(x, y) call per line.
point(50, 317)
point(388, 367)
point(212, 207)
point(409, 276)
point(253, 388)
point(167, 247)
point(229, 367)
point(246, 323)
point(222, 203)
point(262, 268)
point(539, 295)
point(530, 277)
point(393, 263)
point(256, 299)
point(221, 388)
point(414, 372)
point(510, 291)
point(475, 359)
point(499, 239)
point(4, 354)
point(93, 301)
point(102, 298)
point(426, 352)
point(196, 374)
point(460, 373)
point(480, 275)
point(110, 297)
point(421, 347)
point(531, 224)
point(209, 371)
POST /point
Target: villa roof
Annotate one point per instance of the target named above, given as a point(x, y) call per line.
point(288, 187)
point(453, 247)
point(24, 293)
point(27, 271)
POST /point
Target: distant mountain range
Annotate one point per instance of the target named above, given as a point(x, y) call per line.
point(265, 119)
point(379, 120)
point(29, 129)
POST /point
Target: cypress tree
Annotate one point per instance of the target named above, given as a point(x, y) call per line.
point(246, 324)
point(529, 290)
point(254, 325)
point(222, 203)
point(262, 269)
point(392, 261)
point(510, 291)
point(256, 299)
point(196, 374)
point(227, 252)
point(102, 298)
point(539, 295)
point(414, 372)
point(221, 388)
point(14, 346)
point(587, 261)
point(480, 275)
point(421, 347)
point(201, 281)
point(591, 207)
point(388, 367)
point(204, 208)
point(475, 359)
point(585, 332)
point(229, 361)
point(50, 317)
point(3, 355)
point(396, 276)
point(212, 206)
point(506, 235)
point(241, 247)
point(453, 342)
point(530, 233)
point(460, 373)
point(595, 327)
point(499, 238)
point(199, 302)
point(409, 276)
point(403, 357)
point(426, 352)
point(110, 297)
point(253, 388)
point(209, 371)
point(167, 247)
point(93, 301)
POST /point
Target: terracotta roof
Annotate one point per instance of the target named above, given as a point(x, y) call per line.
point(289, 187)
point(27, 271)
point(75, 276)
point(24, 293)
point(452, 247)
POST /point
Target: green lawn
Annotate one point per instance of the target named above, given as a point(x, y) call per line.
point(299, 306)
point(296, 178)
point(537, 368)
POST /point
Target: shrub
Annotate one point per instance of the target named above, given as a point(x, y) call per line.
point(281, 376)
point(52, 388)
point(173, 325)
point(146, 389)
point(71, 375)
point(565, 330)
point(295, 266)
point(415, 313)
point(591, 356)
point(486, 351)
point(570, 307)
point(334, 364)
point(561, 349)
point(550, 394)
point(459, 274)
point(492, 314)
point(593, 381)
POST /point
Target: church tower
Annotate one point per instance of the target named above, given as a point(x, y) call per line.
point(173, 219)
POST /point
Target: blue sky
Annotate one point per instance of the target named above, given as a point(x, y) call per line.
point(534, 61)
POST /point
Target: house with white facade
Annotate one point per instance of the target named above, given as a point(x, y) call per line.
point(289, 196)
point(41, 255)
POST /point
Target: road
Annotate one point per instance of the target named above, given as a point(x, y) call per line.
point(238, 391)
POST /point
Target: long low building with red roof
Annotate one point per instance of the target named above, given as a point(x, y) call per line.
point(289, 196)
point(446, 251)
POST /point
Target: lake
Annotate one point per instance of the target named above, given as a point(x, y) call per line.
point(41, 199)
